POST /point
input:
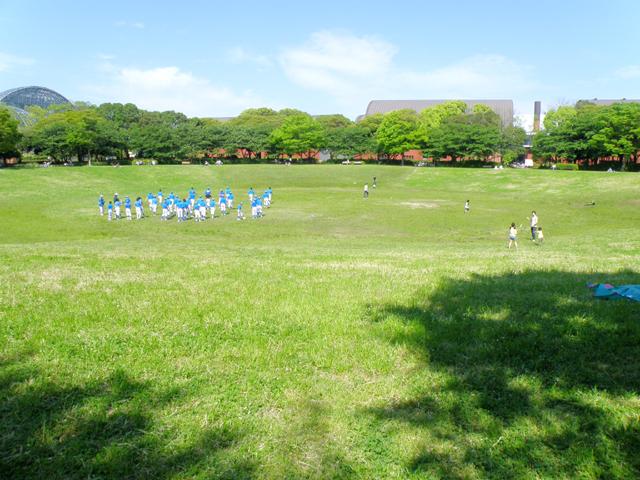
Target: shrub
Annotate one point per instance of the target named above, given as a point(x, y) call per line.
point(566, 166)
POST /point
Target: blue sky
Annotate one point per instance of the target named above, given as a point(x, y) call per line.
point(218, 58)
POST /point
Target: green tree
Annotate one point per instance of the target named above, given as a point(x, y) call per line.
point(9, 135)
point(482, 108)
point(299, 134)
point(258, 117)
point(432, 117)
point(398, 133)
point(333, 121)
point(372, 122)
point(350, 141)
point(157, 135)
point(248, 141)
point(512, 141)
point(619, 133)
point(473, 136)
point(80, 133)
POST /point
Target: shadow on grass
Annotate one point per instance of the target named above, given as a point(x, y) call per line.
point(528, 376)
point(99, 430)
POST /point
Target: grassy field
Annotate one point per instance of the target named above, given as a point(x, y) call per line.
point(393, 337)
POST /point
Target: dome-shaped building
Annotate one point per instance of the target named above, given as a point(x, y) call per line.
point(18, 99)
point(23, 97)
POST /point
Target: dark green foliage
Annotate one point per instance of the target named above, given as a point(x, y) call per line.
point(589, 132)
point(9, 134)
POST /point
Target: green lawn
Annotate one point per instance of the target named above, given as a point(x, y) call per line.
point(393, 337)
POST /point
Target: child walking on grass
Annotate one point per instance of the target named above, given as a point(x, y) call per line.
point(513, 234)
point(540, 235)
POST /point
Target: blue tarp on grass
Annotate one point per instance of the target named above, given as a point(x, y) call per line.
point(609, 292)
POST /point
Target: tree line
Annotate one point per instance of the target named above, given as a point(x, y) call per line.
point(590, 134)
point(122, 131)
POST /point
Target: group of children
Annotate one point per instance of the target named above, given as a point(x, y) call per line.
point(188, 207)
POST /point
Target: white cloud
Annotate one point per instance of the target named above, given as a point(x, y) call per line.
point(240, 55)
point(9, 62)
point(129, 24)
point(355, 69)
point(169, 88)
point(629, 72)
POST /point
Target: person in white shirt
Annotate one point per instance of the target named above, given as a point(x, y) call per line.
point(534, 225)
point(513, 234)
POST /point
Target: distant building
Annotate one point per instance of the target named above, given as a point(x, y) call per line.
point(504, 108)
point(18, 99)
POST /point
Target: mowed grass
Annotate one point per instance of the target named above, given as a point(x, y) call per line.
point(393, 337)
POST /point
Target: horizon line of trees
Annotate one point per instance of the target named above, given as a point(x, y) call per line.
point(586, 132)
point(589, 134)
point(123, 131)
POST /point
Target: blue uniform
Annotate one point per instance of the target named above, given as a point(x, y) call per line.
point(127, 203)
point(101, 202)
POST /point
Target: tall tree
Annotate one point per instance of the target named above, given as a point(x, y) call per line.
point(472, 136)
point(299, 134)
point(398, 133)
point(9, 135)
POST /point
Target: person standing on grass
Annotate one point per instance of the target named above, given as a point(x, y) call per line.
point(230, 198)
point(116, 205)
point(513, 235)
point(192, 198)
point(467, 207)
point(251, 194)
point(138, 206)
point(259, 206)
point(202, 207)
point(375, 183)
point(154, 205)
point(534, 225)
point(212, 208)
point(149, 199)
point(109, 211)
point(240, 212)
point(223, 205)
point(160, 196)
point(101, 204)
point(540, 236)
point(365, 193)
point(165, 210)
point(127, 207)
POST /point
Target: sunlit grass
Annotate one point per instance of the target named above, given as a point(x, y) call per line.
point(393, 337)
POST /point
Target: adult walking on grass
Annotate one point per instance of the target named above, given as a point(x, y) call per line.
point(534, 225)
point(365, 194)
